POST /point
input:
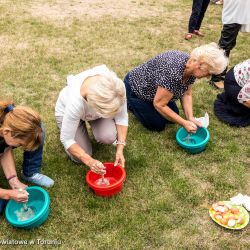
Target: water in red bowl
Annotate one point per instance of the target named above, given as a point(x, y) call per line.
point(114, 175)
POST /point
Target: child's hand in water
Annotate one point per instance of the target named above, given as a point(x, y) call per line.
point(19, 195)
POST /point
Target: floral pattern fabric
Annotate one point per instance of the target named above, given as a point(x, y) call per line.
point(242, 76)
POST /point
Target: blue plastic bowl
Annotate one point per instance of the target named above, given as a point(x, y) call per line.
point(39, 202)
point(197, 142)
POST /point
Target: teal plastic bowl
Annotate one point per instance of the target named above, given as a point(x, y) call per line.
point(196, 143)
point(39, 202)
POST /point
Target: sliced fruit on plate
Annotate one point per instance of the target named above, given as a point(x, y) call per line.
point(228, 215)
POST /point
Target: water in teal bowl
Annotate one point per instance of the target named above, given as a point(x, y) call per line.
point(193, 143)
point(33, 213)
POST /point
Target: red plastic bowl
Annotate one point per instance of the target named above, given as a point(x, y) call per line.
point(115, 175)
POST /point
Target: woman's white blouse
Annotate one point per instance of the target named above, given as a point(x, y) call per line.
point(73, 107)
point(242, 77)
point(236, 11)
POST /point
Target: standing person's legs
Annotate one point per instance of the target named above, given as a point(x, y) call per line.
point(204, 6)
point(228, 37)
point(104, 130)
point(194, 18)
point(227, 42)
point(32, 163)
point(145, 111)
point(81, 138)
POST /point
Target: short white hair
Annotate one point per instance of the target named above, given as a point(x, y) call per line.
point(107, 95)
point(212, 56)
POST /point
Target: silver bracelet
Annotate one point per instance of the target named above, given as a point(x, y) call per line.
point(120, 143)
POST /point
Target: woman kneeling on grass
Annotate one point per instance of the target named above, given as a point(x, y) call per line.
point(20, 127)
point(98, 96)
point(153, 87)
point(233, 106)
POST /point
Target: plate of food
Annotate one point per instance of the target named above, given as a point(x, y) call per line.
point(228, 215)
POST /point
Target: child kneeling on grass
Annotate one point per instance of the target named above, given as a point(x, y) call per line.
point(20, 127)
point(233, 106)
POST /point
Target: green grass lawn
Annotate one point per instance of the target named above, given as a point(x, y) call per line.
point(165, 199)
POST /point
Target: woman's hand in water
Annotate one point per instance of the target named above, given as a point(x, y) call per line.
point(18, 195)
point(96, 166)
point(197, 123)
point(16, 184)
point(191, 127)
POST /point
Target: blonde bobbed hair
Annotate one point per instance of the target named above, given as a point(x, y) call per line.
point(212, 57)
point(23, 122)
point(106, 95)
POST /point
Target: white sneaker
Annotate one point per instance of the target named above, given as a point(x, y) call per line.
point(39, 179)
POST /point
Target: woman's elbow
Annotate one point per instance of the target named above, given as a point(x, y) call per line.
point(157, 105)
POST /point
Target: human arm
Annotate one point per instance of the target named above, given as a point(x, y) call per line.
point(161, 99)
point(187, 105)
point(79, 153)
point(9, 168)
point(121, 121)
point(121, 141)
point(71, 120)
point(14, 194)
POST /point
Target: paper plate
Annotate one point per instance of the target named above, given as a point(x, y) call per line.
point(243, 213)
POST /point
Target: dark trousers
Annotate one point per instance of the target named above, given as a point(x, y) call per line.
point(227, 42)
point(32, 160)
point(232, 90)
point(198, 11)
point(3, 204)
point(227, 107)
point(145, 112)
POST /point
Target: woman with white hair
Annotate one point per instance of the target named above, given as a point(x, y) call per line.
point(153, 87)
point(96, 96)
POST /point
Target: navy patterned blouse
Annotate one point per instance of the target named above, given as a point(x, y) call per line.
point(165, 70)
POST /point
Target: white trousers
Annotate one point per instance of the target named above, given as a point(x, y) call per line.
point(104, 131)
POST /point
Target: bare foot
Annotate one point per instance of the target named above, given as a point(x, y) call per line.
point(219, 85)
